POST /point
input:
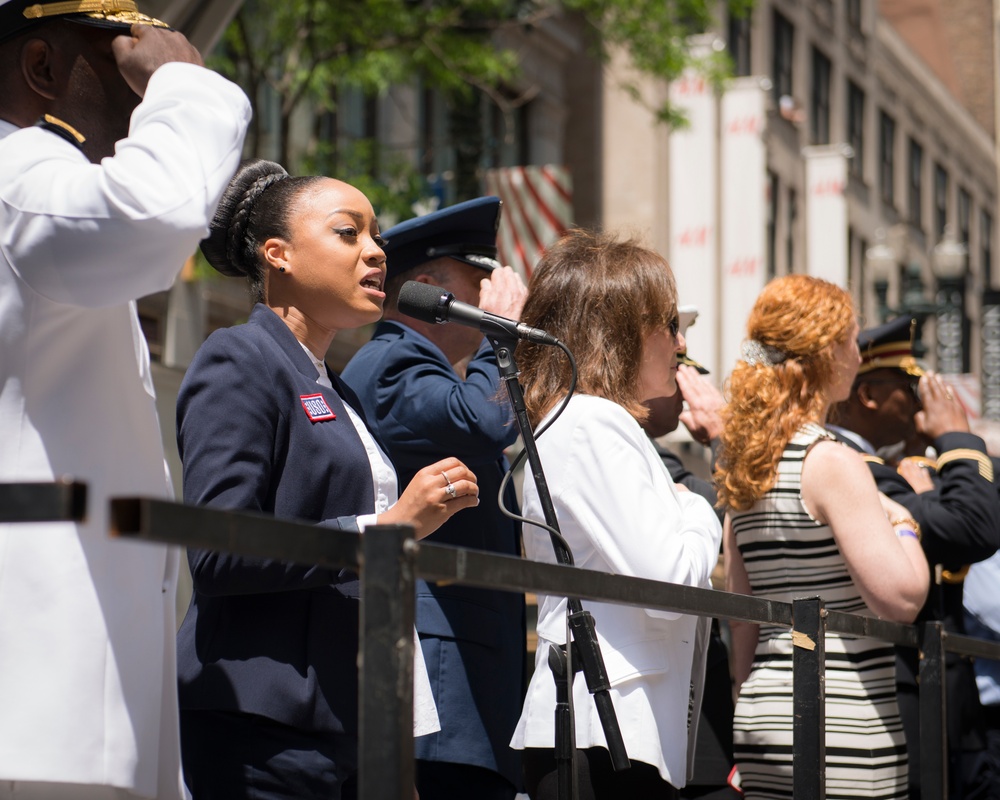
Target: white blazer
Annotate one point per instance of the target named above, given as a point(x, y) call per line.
point(620, 512)
point(87, 663)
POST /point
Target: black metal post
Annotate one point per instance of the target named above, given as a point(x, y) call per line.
point(58, 501)
point(565, 735)
point(808, 699)
point(385, 663)
point(933, 714)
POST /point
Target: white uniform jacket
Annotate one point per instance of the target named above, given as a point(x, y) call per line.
point(620, 512)
point(87, 663)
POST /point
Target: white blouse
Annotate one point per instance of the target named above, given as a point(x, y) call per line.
point(425, 718)
point(620, 512)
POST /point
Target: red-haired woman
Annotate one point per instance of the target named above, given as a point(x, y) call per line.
point(805, 518)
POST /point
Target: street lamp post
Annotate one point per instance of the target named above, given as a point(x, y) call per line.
point(880, 262)
point(948, 263)
point(947, 260)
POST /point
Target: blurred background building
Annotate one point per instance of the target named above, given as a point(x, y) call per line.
point(856, 141)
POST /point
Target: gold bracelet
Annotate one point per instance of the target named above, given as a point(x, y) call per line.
point(911, 525)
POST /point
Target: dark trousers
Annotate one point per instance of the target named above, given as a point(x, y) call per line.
point(440, 780)
point(233, 756)
point(595, 777)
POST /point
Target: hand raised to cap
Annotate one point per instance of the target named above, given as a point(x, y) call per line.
point(942, 412)
point(703, 415)
point(503, 293)
point(149, 48)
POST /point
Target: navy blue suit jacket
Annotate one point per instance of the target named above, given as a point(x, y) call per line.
point(261, 636)
point(473, 639)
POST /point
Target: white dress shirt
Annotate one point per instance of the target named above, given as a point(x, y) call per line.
point(425, 717)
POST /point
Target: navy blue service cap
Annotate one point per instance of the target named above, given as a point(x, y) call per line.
point(890, 346)
point(465, 231)
point(19, 15)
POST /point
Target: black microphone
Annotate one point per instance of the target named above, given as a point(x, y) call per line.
point(436, 305)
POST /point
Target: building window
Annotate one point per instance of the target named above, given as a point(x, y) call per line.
point(859, 279)
point(963, 216)
point(986, 247)
point(856, 128)
point(915, 193)
point(887, 158)
point(507, 136)
point(772, 224)
point(782, 42)
point(793, 215)
point(940, 201)
point(739, 43)
point(819, 119)
point(853, 11)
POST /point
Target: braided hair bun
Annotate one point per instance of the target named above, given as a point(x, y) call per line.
point(231, 247)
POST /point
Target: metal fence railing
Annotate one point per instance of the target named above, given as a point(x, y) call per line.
point(64, 500)
point(389, 561)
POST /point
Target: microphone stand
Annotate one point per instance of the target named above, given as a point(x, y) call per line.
point(581, 651)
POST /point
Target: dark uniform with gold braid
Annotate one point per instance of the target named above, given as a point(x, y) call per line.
point(960, 524)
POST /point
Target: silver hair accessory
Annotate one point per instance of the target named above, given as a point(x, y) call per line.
point(754, 352)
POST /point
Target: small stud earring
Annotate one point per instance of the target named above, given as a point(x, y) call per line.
point(281, 269)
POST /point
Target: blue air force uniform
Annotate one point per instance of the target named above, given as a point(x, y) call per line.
point(473, 639)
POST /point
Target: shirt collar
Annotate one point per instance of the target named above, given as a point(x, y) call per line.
point(859, 440)
point(7, 128)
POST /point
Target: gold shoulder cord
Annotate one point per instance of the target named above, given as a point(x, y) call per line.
point(947, 576)
point(79, 137)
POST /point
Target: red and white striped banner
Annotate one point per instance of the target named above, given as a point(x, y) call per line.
point(537, 210)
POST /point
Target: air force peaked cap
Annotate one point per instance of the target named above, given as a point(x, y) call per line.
point(890, 346)
point(465, 231)
point(19, 15)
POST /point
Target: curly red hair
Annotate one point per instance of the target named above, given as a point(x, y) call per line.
point(802, 317)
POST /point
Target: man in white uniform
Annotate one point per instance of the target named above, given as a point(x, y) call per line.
point(102, 198)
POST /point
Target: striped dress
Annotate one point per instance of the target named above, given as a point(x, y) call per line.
point(789, 555)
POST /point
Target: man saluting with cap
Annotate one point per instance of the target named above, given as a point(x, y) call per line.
point(957, 515)
point(102, 198)
point(435, 389)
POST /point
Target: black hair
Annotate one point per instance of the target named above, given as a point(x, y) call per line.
point(255, 207)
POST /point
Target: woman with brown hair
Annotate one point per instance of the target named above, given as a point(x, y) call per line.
point(805, 518)
point(613, 304)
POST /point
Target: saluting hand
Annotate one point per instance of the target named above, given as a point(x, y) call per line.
point(435, 494)
point(146, 50)
point(503, 293)
point(942, 412)
point(703, 415)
